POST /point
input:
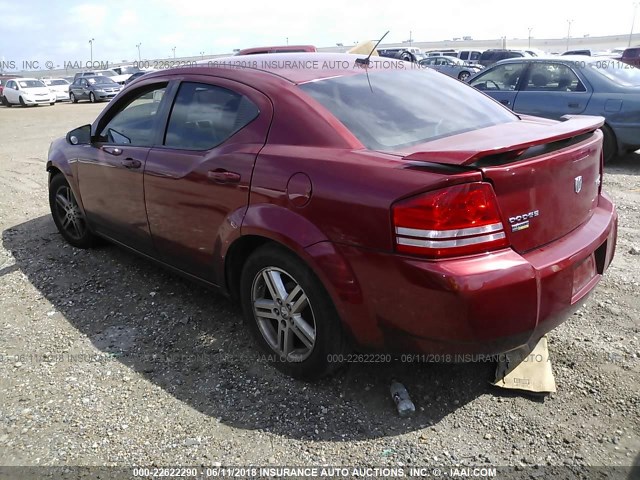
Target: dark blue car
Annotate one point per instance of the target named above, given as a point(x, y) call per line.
point(555, 86)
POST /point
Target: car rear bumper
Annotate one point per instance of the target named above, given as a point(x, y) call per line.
point(486, 304)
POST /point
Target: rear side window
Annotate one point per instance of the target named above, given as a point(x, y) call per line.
point(404, 108)
point(204, 116)
point(552, 77)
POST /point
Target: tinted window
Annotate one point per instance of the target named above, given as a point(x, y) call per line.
point(135, 124)
point(31, 84)
point(501, 77)
point(100, 81)
point(552, 77)
point(204, 116)
point(404, 108)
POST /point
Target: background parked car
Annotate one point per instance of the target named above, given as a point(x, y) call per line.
point(277, 49)
point(137, 74)
point(555, 86)
point(59, 86)
point(105, 73)
point(3, 80)
point(94, 89)
point(469, 56)
point(454, 67)
point(489, 57)
point(631, 56)
point(408, 54)
point(26, 92)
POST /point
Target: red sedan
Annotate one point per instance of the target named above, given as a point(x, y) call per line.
point(346, 205)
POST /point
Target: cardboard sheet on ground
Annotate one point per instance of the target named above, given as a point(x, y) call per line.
point(364, 48)
point(532, 373)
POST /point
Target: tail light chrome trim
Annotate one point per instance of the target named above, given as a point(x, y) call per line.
point(463, 232)
point(450, 243)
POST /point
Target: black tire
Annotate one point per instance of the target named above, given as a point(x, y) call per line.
point(609, 143)
point(52, 103)
point(72, 226)
point(22, 104)
point(6, 102)
point(73, 98)
point(463, 76)
point(329, 342)
point(92, 97)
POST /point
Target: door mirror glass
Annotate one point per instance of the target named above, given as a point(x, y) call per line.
point(80, 135)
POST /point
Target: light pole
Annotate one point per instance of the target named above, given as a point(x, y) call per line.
point(287, 40)
point(530, 28)
point(633, 21)
point(569, 33)
point(174, 52)
point(410, 38)
point(91, 47)
point(138, 47)
point(202, 54)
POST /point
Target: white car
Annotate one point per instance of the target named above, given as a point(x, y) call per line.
point(27, 91)
point(59, 86)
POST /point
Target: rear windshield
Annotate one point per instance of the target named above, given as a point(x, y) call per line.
point(618, 72)
point(405, 108)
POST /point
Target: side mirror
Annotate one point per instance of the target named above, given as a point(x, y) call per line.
point(80, 135)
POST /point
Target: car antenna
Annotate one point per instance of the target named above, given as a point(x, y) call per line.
point(365, 61)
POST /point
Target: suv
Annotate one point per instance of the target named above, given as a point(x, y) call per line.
point(469, 56)
point(489, 57)
point(631, 56)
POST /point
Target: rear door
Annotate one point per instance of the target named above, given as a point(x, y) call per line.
point(501, 81)
point(551, 90)
point(197, 182)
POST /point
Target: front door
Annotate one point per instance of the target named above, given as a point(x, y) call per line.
point(110, 172)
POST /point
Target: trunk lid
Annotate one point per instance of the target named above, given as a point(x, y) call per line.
point(546, 174)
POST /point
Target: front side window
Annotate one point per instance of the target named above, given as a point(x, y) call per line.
point(503, 77)
point(135, 124)
point(392, 110)
point(204, 116)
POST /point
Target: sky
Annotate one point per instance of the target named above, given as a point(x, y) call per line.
point(60, 30)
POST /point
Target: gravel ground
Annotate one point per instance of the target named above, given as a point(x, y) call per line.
point(107, 359)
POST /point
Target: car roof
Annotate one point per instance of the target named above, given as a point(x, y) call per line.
point(296, 68)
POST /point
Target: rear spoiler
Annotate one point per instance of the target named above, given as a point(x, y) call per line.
point(509, 138)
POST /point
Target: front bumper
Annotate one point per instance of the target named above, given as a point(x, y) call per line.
point(485, 304)
point(39, 100)
point(105, 95)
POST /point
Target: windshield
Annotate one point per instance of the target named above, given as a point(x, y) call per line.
point(404, 108)
point(100, 81)
point(58, 82)
point(618, 72)
point(31, 84)
point(107, 73)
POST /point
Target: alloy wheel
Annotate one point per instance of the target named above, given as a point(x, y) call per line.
point(71, 218)
point(283, 314)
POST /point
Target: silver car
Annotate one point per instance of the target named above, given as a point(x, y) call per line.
point(454, 67)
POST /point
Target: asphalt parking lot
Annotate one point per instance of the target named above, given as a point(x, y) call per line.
point(107, 359)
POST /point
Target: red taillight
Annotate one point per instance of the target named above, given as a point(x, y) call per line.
point(458, 220)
